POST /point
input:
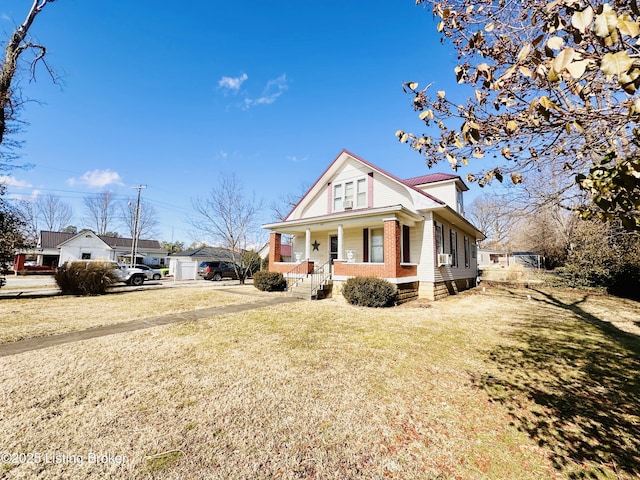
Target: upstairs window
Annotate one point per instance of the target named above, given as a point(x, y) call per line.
point(351, 194)
point(460, 202)
point(337, 197)
point(361, 199)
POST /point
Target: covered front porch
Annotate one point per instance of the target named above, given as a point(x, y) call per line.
point(373, 242)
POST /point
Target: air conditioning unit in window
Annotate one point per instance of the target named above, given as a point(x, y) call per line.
point(444, 259)
point(348, 204)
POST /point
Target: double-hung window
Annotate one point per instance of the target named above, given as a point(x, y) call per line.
point(377, 245)
point(337, 197)
point(453, 237)
point(351, 194)
point(361, 193)
point(439, 238)
point(466, 252)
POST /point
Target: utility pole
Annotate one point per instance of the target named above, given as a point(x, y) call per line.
point(134, 242)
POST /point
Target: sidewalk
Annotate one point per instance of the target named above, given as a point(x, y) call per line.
point(45, 286)
point(37, 343)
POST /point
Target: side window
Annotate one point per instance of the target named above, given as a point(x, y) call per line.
point(439, 239)
point(466, 252)
point(454, 246)
point(406, 244)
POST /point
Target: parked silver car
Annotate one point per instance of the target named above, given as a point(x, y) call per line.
point(150, 273)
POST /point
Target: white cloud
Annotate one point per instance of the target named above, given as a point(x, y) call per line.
point(294, 159)
point(97, 179)
point(13, 182)
point(271, 92)
point(232, 83)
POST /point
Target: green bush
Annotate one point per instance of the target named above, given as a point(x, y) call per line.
point(269, 281)
point(369, 292)
point(85, 278)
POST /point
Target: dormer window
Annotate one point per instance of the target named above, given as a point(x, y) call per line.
point(351, 194)
point(459, 201)
point(337, 197)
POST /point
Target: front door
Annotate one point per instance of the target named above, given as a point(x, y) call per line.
point(333, 248)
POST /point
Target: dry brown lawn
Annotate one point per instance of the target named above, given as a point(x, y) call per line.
point(477, 386)
point(31, 317)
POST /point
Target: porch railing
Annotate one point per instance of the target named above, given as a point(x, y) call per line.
point(296, 274)
point(319, 276)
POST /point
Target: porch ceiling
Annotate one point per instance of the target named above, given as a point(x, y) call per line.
point(352, 219)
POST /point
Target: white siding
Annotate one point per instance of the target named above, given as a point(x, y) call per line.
point(88, 244)
point(443, 191)
point(459, 271)
point(317, 205)
point(387, 192)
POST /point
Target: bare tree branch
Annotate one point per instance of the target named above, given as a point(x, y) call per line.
point(228, 217)
point(16, 46)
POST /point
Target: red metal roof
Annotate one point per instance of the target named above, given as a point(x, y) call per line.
point(431, 178)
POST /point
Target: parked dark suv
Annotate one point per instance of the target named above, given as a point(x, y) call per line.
point(216, 270)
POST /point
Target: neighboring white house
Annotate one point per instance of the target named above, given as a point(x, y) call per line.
point(55, 248)
point(358, 219)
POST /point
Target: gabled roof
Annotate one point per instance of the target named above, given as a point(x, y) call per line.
point(435, 178)
point(54, 239)
point(121, 242)
point(218, 253)
point(341, 158)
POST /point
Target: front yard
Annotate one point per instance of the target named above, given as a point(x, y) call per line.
point(482, 385)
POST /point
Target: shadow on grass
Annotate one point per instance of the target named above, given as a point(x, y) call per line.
point(574, 387)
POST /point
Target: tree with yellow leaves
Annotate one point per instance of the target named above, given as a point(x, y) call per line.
point(552, 83)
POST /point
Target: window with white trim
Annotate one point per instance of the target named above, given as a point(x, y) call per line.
point(361, 193)
point(453, 237)
point(353, 193)
point(439, 238)
point(337, 197)
point(466, 252)
point(377, 245)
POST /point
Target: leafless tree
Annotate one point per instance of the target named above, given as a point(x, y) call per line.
point(100, 211)
point(54, 213)
point(229, 217)
point(31, 225)
point(495, 216)
point(147, 218)
point(17, 46)
point(287, 202)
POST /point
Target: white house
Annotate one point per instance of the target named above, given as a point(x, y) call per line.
point(55, 248)
point(358, 219)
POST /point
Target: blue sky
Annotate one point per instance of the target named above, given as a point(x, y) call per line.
point(173, 94)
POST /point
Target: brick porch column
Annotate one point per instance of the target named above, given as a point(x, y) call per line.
point(391, 247)
point(275, 248)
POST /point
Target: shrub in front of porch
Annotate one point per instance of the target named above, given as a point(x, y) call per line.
point(369, 292)
point(269, 281)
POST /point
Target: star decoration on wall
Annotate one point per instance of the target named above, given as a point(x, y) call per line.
point(315, 246)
